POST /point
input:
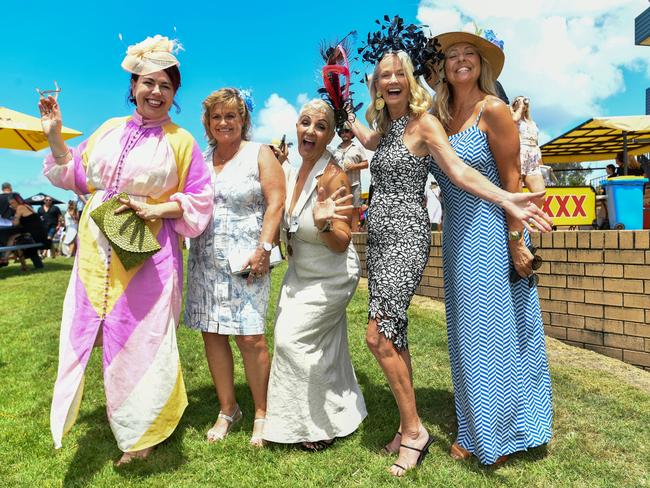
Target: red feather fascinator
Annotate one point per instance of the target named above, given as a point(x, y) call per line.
point(336, 79)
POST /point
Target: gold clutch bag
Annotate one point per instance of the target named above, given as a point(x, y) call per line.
point(129, 235)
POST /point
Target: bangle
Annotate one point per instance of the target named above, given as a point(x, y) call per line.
point(65, 154)
point(327, 227)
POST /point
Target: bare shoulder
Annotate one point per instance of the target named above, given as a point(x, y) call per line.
point(496, 108)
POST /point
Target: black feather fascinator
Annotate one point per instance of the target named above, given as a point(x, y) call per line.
point(394, 35)
point(336, 79)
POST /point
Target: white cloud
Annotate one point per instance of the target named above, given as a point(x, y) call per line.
point(567, 56)
point(278, 117)
point(302, 99)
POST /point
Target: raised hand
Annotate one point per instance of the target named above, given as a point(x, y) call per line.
point(329, 208)
point(50, 117)
point(521, 207)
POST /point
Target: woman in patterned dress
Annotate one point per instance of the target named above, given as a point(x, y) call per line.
point(529, 152)
point(405, 137)
point(132, 313)
point(248, 184)
point(496, 336)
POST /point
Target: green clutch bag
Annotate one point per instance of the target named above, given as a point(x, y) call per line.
point(129, 235)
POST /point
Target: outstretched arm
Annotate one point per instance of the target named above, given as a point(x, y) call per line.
point(519, 205)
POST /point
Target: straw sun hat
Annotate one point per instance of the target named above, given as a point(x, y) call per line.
point(490, 47)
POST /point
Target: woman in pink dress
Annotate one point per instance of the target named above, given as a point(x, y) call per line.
point(132, 312)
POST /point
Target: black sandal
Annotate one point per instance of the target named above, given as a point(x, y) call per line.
point(423, 453)
point(385, 451)
point(316, 446)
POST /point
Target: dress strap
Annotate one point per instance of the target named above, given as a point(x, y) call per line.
point(478, 117)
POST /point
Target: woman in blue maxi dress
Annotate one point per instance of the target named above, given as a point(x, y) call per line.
point(497, 351)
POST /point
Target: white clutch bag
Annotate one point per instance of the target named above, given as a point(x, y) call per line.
point(238, 258)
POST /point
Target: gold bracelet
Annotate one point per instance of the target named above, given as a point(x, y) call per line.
point(61, 155)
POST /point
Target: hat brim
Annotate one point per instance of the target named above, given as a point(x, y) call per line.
point(492, 53)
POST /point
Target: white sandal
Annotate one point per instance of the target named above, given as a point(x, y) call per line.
point(258, 440)
point(214, 435)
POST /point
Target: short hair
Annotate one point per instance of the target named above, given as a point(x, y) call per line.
point(316, 105)
point(230, 97)
point(6, 186)
point(419, 98)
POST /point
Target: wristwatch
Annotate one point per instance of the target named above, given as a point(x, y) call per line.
point(267, 246)
point(515, 235)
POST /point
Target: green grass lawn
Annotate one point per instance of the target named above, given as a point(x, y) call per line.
point(601, 429)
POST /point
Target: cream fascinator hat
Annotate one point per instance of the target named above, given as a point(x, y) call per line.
point(487, 43)
point(153, 54)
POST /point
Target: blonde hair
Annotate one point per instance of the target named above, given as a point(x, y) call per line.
point(525, 113)
point(444, 91)
point(227, 97)
point(419, 98)
point(320, 106)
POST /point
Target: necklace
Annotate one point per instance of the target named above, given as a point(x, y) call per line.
point(217, 160)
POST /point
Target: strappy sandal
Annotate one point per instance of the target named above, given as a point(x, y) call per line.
point(423, 453)
point(387, 452)
point(459, 453)
point(316, 446)
point(214, 435)
point(256, 439)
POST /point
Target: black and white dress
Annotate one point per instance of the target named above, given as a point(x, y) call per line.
point(399, 232)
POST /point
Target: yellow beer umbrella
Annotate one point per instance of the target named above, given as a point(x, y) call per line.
point(21, 131)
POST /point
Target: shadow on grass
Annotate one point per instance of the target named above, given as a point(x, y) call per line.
point(49, 266)
point(437, 411)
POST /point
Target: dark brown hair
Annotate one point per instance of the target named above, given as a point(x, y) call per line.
point(174, 76)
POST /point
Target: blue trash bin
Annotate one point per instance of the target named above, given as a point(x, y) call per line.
point(625, 202)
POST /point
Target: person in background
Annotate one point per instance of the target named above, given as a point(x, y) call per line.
point(530, 155)
point(81, 203)
point(30, 223)
point(352, 158)
point(610, 171)
point(434, 205)
point(49, 214)
point(6, 212)
point(633, 166)
point(69, 237)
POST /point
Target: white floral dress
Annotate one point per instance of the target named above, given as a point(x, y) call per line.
point(218, 301)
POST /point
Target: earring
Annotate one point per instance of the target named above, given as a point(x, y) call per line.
point(379, 102)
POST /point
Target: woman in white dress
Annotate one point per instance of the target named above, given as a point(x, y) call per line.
point(248, 185)
point(313, 394)
point(71, 220)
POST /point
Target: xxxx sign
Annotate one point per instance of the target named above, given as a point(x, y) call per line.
point(573, 205)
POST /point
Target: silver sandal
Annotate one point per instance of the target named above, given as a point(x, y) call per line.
point(214, 435)
point(258, 440)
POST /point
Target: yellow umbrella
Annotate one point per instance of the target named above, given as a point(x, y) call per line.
point(21, 131)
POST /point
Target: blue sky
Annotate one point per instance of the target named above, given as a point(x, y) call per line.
point(271, 48)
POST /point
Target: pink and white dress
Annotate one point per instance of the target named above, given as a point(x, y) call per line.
point(137, 310)
point(529, 152)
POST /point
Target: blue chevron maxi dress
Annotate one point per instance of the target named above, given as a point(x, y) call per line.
point(502, 386)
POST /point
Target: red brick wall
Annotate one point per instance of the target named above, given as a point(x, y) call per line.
point(594, 289)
